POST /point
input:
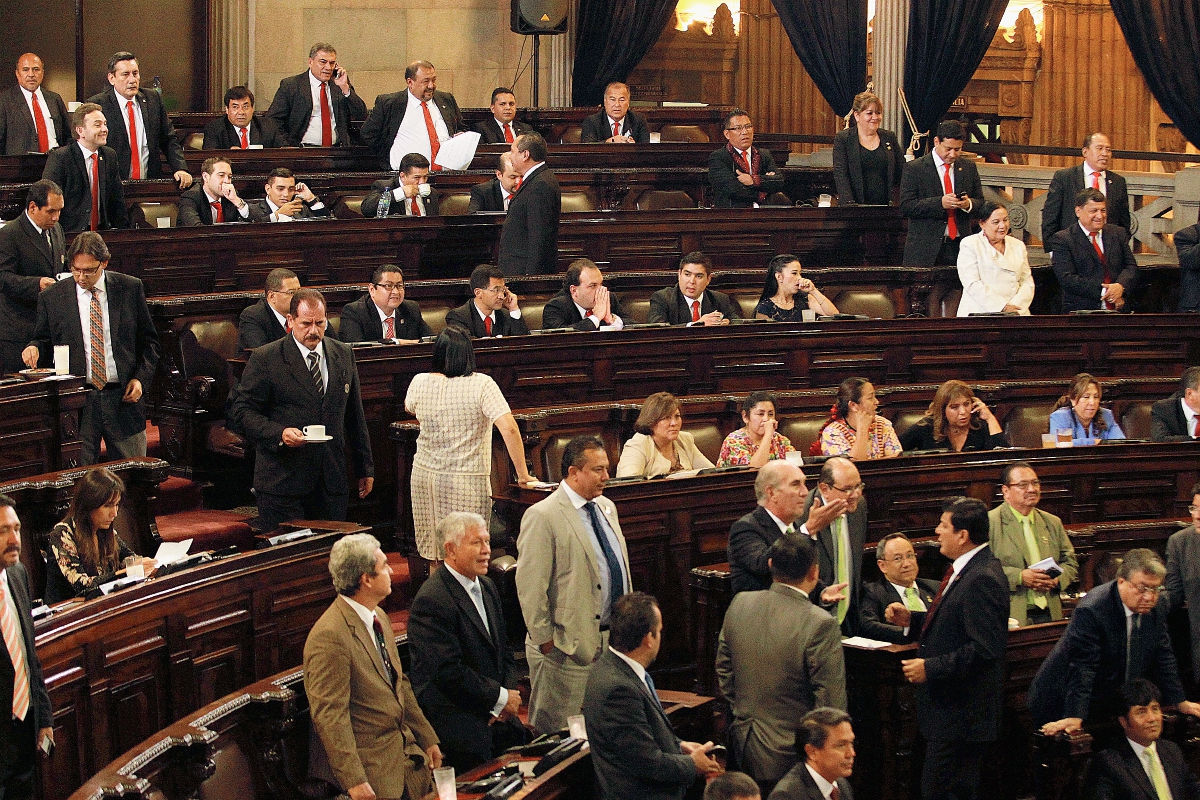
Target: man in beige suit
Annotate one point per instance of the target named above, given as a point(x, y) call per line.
point(572, 564)
point(1017, 526)
point(377, 741)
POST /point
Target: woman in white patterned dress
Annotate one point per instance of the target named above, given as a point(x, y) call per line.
point(456, 408)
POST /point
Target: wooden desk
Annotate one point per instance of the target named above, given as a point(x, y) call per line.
point(39, 426)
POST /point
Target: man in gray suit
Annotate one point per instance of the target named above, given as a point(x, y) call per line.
point(778, 657)
point(572, 564)
point(1183, 573)
point(828, 742)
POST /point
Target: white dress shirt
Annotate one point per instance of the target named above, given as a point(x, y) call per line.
point(313, 134)
point(475, 591)
point(900, 590)
point(578, 502)
point(413, 136)
point(51, 137)
point(1087, 178)
point(1143, 754)
point(277, 217)
point(1190, 416)
point(406, 202)
point(139, 136)
point(825, 786)
point(617, 323)
point(961, 562)
point(243, 212)
point(514, 314)
point(84, 300)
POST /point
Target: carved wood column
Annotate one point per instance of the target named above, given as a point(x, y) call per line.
point(229, 48)
point(560, 57)
point(890, 36)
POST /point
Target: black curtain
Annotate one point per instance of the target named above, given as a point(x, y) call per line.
point(1164, 37)
point(830, 37)
point(611, 37)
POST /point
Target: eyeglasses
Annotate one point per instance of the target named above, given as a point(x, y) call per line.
point(288, 292)
point(741, 128)
point(390, 287)
point(84, 272)
point(903, 558)
point(1141, 588)
point(1025, 486)
point(858, 488)
point(1192, 509)
point(496, 289)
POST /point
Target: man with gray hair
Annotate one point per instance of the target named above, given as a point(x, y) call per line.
point(463, 671)
point(357, 691)
point(314, 108)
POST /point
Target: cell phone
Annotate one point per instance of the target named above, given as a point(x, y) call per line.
point(338, 72)
point(47, 745)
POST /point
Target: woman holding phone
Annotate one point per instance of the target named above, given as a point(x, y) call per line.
point(956, 420)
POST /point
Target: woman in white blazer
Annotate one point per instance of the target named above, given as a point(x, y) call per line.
point(994, 268)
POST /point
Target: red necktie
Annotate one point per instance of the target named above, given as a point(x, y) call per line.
point(1100, 254)
point(389, 328)
point(1096, 181)
point(218, 212)
point(416, 209)
point(616, 129)
point(951, 222)
point(487, 325)
point(834, 794)
point(326, 120)
point(508, 137)
point(695, 311)
point(135, 149)
point(938, 599)
point(1196, 432)
point(434, 144)
point(245, 139)
point(95, 226)
point(517, 188)
point(40, 122)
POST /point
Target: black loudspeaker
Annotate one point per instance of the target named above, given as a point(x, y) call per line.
point(543, 17)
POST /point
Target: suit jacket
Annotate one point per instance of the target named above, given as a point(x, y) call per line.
point(65, 166)
point(596, 128)
point(398, 208)
point(728, 191)
point(529, 239)
point(560, 312)
point(1167, 420)
point(361, 322)
point(558, 576)
point(669, 305)
point(921, 190)
point(1080, 271)
point(492, 133)
point(258, 325)
point(856, 529)
point(847, 166)
point(292, 107)
point(1059, 211)
point(749, 539)
point(18, 131)
point(1007, 539)
point(778, 657)
point(276, 392)
point(260, 211)
point(1183, 579)
point(798, 784)
point(487, 196)
point(160, 133)
point(1187, 245)
point(1118, 774)
point(25, 258)
point(39, 700)
point(1081, 676)
point(371, 729)
point(195, 210)
point(383, 123)
point(876, 597)
point(502, 324)
point(220, 134)
point(634, 750)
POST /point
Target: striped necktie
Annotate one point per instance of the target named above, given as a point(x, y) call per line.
point(16, 653)
point(314, 370)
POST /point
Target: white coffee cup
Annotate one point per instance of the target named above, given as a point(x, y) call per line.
point(808, 315)
point(824, 201)
point(576, 726)
point(62, 359)
point(424, 189)
point(163, 222)
point(314, 431)
point(795, 458)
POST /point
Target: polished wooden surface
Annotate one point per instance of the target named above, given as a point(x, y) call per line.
point(39, 426)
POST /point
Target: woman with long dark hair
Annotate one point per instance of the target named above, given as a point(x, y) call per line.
point(787, 294)
point(956, 420)
point(1079, 409)
point(854, 429)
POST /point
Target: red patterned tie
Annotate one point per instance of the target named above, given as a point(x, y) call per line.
point(389, 328)
point(434, 144)
point(245, 139)
point(508, 137)
point(135, 149)
point(40, 122)
point(218, 212)
point(487, 324)
point(937, 601)
point(326, 119)
point(99, 366)
point(951, 222)
point(95, 224)
point(16, 654)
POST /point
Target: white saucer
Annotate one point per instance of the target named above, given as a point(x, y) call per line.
point(318, 438)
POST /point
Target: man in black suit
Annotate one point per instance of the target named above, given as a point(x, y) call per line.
point(135, 114)
point(315, 107)
point(214, 199)
point(302, 380)
point(827, 739)
point(1117, 633)
point(1177, 418)
point(503, 127)
point(1058, 214)
point(27, 718)
point(103, 317)
point(1092, 260)
point(584, 303)
point(483, 316)
point(32, 119)
point(691, 302)
point(286, 200)
point(382, 314)
point(939, 194)
point(897, 561)
point(634, 751)
point(742, 175)
point(392, 132)
point(79, 166)
point(840, 540)
point(411, 194)
point(239, 129)
point(529, 239)
point(959, 669)
point(1187, 247)
point(496, 194)
point(463, 672)
point(266, 321)
point(615, 123)
point(32, 253)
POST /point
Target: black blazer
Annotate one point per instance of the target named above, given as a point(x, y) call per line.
point(921, 191)
point(361, 322)
point(728, 192)
point(1059, 211)
point(1080, 271)
point(487, 196)
point(258, 325)
point(669, 305)
point(219, 134)
point(1187, 245)
point(379, 131)
point(749, 539)
point(1081, 676)
point(856, 528)
point(398, 208)
point(560, 312)
point(876, 597)
point(596, 128)
point(492, 133)
point(847, 167)
point(529, 239)
point(920, 437)
point(195, 210)
point(18, 131)
point(276, 392)
point(1118, 774)
point(503, 325)
point(39, 699)
point(798, 784)
point(65, 166)
point(292, 107)
point(260, 211)
point(160, 134)
point(1167, 420)
point(25, 258)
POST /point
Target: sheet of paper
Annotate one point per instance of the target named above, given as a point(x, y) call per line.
point(864, 642)
point(457, 151)
point(170, 552)
point(1045, 564)
point(685, 473)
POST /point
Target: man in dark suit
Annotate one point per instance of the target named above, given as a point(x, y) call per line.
point(503, 127)
point(266, 321)
point(103, 317)
point(214, 199)
point(827, 739)
point(135, 114)
point(939, 194)
point(1183, 571)
point(286, 200)
point(315, 107)
point(32, 253)
point(27, 718)
point(382, 314)
point(1058, 213)
point(463, 671)
point(484, 315)
point(411, 194)
point(239, 129)
point(1092, 260)
point(1177, 418)
point(1187, 247)
point(615, 123)
point(692, 302)
point(742, 175)
point(634, 751)
point(32, 119)
point(959, 669)
point(897, 561)
point(79, 166)
point(496, 194)
point(584, 303)
point(434, 118)
point(302, 380)
point(840, 539)
point(529, 239)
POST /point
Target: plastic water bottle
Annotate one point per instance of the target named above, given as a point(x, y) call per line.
point(385, 203)
point(157, 85)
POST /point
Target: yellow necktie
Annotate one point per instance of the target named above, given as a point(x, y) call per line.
point(1156, 774)
point(911, 601)
point(1037, 599)
point(842, 567)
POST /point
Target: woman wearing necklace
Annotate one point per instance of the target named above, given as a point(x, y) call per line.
point(787, 294)
point(867, 160)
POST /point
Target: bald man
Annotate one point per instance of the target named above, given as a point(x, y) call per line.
point(32, 119)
